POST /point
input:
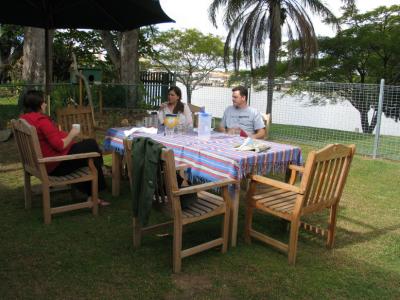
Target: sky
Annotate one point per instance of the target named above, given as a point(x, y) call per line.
point(194, 14)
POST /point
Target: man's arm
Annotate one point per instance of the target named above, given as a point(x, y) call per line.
point(260, 134)
point(259, 123)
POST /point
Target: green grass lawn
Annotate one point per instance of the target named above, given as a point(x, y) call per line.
point(8, 110)
point(80, 256)
point(389, 146)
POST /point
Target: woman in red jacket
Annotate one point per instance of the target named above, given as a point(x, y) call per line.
point(55, 142)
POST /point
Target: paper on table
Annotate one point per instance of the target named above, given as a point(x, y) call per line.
point(252, 145)
point(150, 130)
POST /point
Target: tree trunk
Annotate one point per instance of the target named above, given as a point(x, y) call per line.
point(189, 93)
point(33, 56)
point(3, 72)
point(366, 127)
point(125, 61)
point(112, 51)
point(7, 61)
point(130, 64)
point(274, 45)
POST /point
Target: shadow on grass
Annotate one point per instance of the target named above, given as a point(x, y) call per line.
point(354, 233)
point(81, 256)
point(346, 237)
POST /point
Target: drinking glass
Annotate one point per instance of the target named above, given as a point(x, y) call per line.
point(169, 131)
point(170, 123)
point(181, 129)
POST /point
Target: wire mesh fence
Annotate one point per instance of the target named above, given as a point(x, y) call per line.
point(313, 113)
point(317, 113)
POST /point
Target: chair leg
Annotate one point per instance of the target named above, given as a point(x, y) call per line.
point(225, 230)
point(294, 235)
point(177, 247)
point(27, 190)
point(95, 196)
point(248, 220)
point(46, 203)
point(137, 233)
point(331, 227)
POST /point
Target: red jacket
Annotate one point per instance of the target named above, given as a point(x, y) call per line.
point(50, 137)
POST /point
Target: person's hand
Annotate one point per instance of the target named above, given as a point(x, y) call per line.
point(74, 132)
point(70, 137)
point(234, 131)
point(163, 106)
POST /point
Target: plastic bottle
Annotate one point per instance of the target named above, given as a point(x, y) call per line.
point(204, 126)
point(154, 119)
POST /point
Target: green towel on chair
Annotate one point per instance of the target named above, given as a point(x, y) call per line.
point(146, 161)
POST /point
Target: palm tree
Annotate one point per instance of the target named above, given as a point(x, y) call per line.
point(252, 22)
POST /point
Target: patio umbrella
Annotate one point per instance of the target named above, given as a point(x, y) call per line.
point(118, 15)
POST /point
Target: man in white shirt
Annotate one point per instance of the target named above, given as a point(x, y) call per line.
point(240, 116)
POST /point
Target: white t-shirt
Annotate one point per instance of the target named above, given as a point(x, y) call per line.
point(185, 118)
point(248, 118)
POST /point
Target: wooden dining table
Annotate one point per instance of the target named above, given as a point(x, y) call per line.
point(210, 160)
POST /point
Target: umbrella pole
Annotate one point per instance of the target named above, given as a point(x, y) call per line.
point(47, 67)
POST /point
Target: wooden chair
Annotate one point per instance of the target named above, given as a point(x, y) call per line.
point(267, 121)
point(127, 162)
point(34, 165)
point(323, 180)
point(82, 115)
point(207, 205)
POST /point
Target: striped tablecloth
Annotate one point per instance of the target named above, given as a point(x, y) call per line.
point(216, 158)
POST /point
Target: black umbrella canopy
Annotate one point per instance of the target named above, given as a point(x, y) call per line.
point(118, 15)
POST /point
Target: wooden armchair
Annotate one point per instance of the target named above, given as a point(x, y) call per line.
point(127, 162)
point(82, 115)
point(323, 180)
point(267, 121)
point(34, 165)
point(207, 205)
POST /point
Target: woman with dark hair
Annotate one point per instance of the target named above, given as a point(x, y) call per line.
point(55, 142)
point(175, 106)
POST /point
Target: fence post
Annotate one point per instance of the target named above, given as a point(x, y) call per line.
point(378, 122)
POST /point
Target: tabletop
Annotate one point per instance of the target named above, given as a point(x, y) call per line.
point(215, 158)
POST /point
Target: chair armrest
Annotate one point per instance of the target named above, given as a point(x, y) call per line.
point(297, 168)
point(180, 167)
point(68, 157)
point(276, 183)
point(203, 187)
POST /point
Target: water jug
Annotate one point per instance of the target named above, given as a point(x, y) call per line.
point(204, 125)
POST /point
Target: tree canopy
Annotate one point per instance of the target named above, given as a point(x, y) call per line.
point(366, 52)
point(252, 22)
point(189, 54)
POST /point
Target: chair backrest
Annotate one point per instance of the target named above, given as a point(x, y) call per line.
point(325, 175)
point(195, 109)
point(267, 122)
point(170, 181)
point(82, 115)
point(28, 147)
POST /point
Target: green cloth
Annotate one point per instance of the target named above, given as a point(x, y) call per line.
point(146, 166)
